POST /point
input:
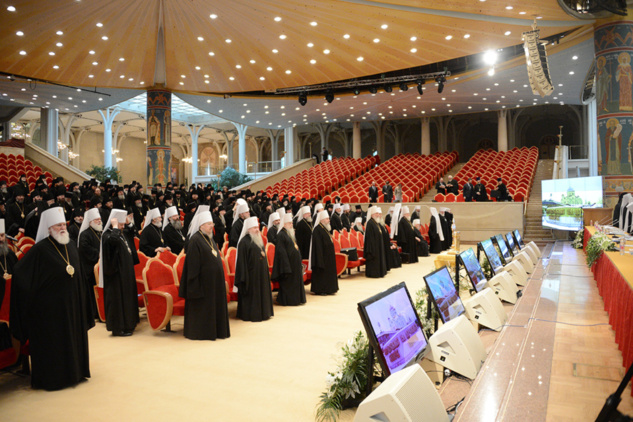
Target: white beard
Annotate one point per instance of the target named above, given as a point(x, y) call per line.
point(4, 248)
point(97, 227)
point(177, 224)
point(359, 227)
point(158, 224)
point(308, 219)
point(377, 220)
point(291, 233)
point(61, 238)
point(328, 227)
point(257, 239)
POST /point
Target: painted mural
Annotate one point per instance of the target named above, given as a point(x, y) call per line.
point(158, 136)
point(610, 184)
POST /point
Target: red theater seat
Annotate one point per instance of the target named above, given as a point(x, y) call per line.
point(161, 297)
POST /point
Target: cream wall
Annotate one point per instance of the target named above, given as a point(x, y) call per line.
point(133, 166)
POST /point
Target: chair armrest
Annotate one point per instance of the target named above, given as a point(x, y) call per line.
point(160, 307)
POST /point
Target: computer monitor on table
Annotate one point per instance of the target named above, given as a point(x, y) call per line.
point(443, 292)
point(492, 255)
point(512, 245)
point(393, 328)
point(473, 269)
point(506, 255)
point(517, 237)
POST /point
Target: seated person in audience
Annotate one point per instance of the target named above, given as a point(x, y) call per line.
point(358, 225)
point(502, 191)
point(422, 247)
point(416, 213)
point(274, 220)
point(468, 190)
point(358, 214)
point(480, 194)
point(345, 217)
point(173, 232)
point(152, 241)
point(7, 259)
point(441, 186)
point(452, 186)
point(335, 219)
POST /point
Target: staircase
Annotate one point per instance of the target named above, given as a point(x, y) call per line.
point(432, 192)
point(534, 231)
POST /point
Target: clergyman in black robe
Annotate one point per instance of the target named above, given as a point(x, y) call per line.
point(252, 279)
point(8, 259)
point(422, 247)
point(120, 293)
point(151, 240)
point(49, 309)
point(271, 236)
point(323, 260)
point(446, 229)
point(393, 257)
point(288, 269)
point(374, 251)
point(303, 233)
point(435, 242)
point(89, 245)
point(174, 236)
point(406, 238)
point(335, 221)
point(203, 287)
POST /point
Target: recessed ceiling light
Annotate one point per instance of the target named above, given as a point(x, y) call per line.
point(59, 33)
point(95, 63)
point(213, 16)
point(539, 17)
point(507, 33)
point(282, 37)
point(509, 7)
point(211, 53)
point(312, 61)
point(55, 67)
point(104, 38)
point(277, 19)
point(59, 44)
point(413, 38)
point(360, 59)
point(182, 83)
point(99, 24)
point(466, 36)
point(384, 26)
point(310, 45)
point(574, 58)
point(19, 33)
point(91, 76)
point(313, 23)
point(91, 52)
point(206, 82)
point(200, 39)
point(121, 59)
point(11, 9)
point(521, 13)
point(183, 76)
point(122, 76)
point(376, 40)
point(197, 67)
point(108, 70)
point(237, 66)
point(571, 73)
point(228, 41)
point(269, 69)
point(414, 50)
point(252, 61)
point(131, 79)
point(261, 78)
point(288, 72)
point(51, 53)
point(22, 53)
point(448, 37)
point(275, 51)
point(231, 78)
point(326, 51)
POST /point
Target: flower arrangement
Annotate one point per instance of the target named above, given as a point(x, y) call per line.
point(421, 306)
point(347, 385)
point(577, 243)
point(598, 243)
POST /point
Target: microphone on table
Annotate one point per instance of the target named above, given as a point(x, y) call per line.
point(10, 237)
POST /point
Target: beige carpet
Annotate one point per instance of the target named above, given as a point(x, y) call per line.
point(267, 371)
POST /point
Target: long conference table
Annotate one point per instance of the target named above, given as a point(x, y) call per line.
point(614, 275)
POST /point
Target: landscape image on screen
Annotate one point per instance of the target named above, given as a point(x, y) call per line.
point(444, 294)
point(397, 329)
point(491, 253)
point(517, 236)
point(503, 248)
point(475, 273)
point(564, 199)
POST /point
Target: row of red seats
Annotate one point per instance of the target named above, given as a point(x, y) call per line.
point(417, 173)
point(12, 166)
point(318, 180)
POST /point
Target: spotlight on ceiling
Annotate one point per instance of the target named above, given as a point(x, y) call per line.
point(420, 82)
point(441, 80)
point(490, 57)
point(388, 88)
point(329, 96)
point(404, 86)
point(356, 91)
point(373, 89)
point(303, 98)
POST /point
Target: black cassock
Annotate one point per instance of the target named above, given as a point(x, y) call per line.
point(303, 234)
point(335, 221)
point(7, 263)
point(73, 231)
point(448, 236)
point(218, 230)
point(346, 222)
point(203, 287)
point(323, 263)
point(255, 298)
point(236, 231)
point(421, 246)
point(374, 251)
point(120, 294)
point(393, 257)
point(49, 307)
point(151, 238)
point(272, 235)
point(89, 245)
point(435, 244)
point(288, 271)
point(414, 216)
point(406, 239)
point(175, 239)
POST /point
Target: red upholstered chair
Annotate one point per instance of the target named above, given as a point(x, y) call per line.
point(138, 272)
point(270, 257)
point(99, 295)
point(137, 242)
point(168, 257)
point(450, 197)
point(231, 257)
point(439, 197)
point(230, 294)
point(345, 243)
point(265, 230)
point(177, 268)
point(161, 297)
point(341, 263)
point(10, 356)
point(307, 274)
point(225, 247)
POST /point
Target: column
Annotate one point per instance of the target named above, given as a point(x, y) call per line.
point(274, 147)
point(614, 95)
point(426, 135)
point(194, 131)
point(6, 131)
point(241, 151)
point(108, 117)
point(158, 136)
point(65, 136)
point(356, 141)
point(289, 145)
point(48, 129)
point(592, 137)
point(502, 130)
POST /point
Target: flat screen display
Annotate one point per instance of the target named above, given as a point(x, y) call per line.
point(505, 253)
point(514, 248)
point(492, 255)
point(475, 273)
point(517, 237)
point(393, 328)
point(444, 295)
point(564, 200)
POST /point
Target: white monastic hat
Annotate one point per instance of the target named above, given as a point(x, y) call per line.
point(318, 207)
point(287, 219)
point(345, 207)
point(391, 210)
point(358, 220)
point(151, 214)
point(49, 218)
point(443, 209)
point(416, 221)
point(90, 215)
point(169, 212)
point(240, 209)
point(395, 219)
point(2, 225)
point(417, 208)
point(438, 222)
point(249, 223)
point(336, 207)
point(405, 210)
point(281, 211)
point(202, 218)
point(272, 217)
point(304, 210)
point(199, 210)
point(320, 216)
point(120, 215)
